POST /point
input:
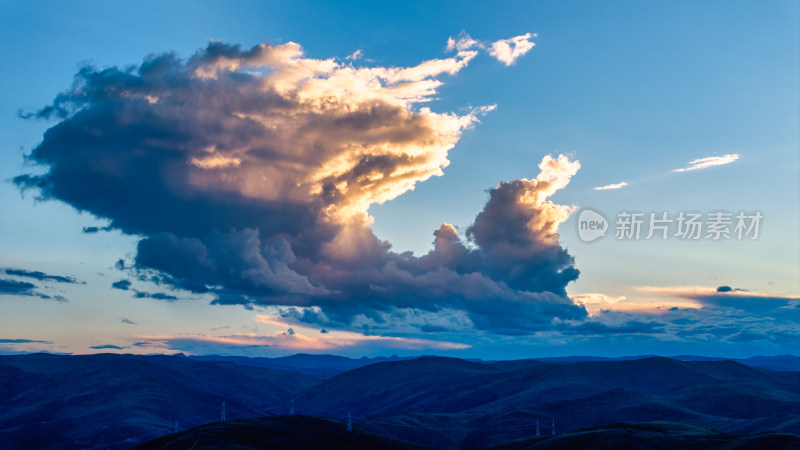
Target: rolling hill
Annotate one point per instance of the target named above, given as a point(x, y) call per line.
point(119, 401)
point(310, 432)
point(486, 404)
point(274, 432)
point(654, 436)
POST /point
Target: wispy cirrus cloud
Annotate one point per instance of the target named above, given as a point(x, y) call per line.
point(288, 336)
point(155, 295)
point(611, 186)
point(107, 347)
point(23, 341)
point(697, 164)
point(40, 276)
point(597, 304)
point(726, 297)
point(355, 56)
point(290, 340)
point(507, 51)
point(709, 161)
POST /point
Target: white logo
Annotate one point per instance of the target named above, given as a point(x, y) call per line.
point(591, 225)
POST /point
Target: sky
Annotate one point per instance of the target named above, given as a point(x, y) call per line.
point(483, 180)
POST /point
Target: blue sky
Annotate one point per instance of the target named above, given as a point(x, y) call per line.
point(632, 90)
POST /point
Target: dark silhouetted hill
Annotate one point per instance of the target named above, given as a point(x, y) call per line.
point(309, 432)
point(290, 432)
point(654, 436)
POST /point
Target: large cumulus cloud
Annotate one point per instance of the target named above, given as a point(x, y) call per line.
point(249, 175)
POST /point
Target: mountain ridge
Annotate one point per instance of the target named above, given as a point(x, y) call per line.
point(117, 401)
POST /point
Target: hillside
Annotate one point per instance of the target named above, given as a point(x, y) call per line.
point(654, 436)
point(274, 432)
point(485, 404)
point(94, 400)
point(309, 432)
point(119, 401)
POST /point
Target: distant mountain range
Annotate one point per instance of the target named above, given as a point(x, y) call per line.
point(326, 365)
point(334, 365)
point(782, 363)
point(120, 401)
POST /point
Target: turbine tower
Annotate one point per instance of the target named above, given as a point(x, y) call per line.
point(537, 428)
point(553, 429)
point(349, 423)
point(291, 408)
point(222, 416)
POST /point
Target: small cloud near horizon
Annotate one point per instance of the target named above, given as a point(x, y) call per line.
point(24, 341)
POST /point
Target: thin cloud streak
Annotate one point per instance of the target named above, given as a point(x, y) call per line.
point(611, 186)
point(709, 161)
point(694, 292)
point(598, 304)
point(40, 276)
point(348, 338)
point(289, 341)
point(23, 341)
